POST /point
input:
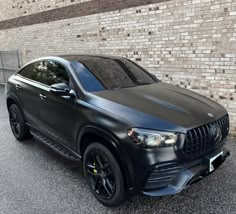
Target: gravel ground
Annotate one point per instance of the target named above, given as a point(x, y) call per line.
point(34, 179)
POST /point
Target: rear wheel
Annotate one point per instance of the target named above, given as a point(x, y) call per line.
point(18, 126)
point(104, 175)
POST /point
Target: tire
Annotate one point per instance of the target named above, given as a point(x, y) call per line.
point(18, 126)
point(102, 170)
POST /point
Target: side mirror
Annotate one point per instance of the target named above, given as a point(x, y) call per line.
point(60, 89)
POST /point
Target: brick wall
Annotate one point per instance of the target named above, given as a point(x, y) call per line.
point(187, 43)
point(16, 8)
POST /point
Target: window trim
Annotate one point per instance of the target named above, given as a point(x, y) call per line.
point(45, 85)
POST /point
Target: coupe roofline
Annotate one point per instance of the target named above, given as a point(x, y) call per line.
point(70, 57)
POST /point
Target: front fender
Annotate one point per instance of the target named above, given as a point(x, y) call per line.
point(115, 143)
point(105, 134)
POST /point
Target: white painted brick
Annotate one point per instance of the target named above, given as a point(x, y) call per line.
point(188, 43)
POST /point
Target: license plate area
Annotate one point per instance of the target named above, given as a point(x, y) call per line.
point(215, 161)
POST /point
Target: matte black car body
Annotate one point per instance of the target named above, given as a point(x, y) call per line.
point(74, 121)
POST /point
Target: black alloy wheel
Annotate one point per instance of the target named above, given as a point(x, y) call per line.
point(17, 123)
point(103, 175)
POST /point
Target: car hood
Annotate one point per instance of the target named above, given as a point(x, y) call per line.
point(159, 106)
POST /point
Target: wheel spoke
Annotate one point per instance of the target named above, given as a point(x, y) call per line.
point(96, 186)
point(13, 123)
point(107, 172)
point(107, 187)
point(18, 126)
point(98, 158)
point(93, 159)
point(93, 181)
point(110, 185)
point(14, 116)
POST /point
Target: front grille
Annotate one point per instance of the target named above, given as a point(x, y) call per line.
point(203, 139)
point(162, 175)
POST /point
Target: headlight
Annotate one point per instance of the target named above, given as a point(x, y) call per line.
point(150, 138)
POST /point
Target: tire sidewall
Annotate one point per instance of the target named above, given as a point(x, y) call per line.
point(119, 196)
point(23, 129)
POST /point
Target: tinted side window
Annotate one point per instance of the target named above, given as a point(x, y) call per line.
point(25, 72)
point(56, 73)
point(36, 71)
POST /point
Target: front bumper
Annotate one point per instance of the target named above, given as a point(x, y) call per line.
point(171, 178)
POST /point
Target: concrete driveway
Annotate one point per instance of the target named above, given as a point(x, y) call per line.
point(34, 179)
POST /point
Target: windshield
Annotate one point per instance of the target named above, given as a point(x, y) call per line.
point(98, 74)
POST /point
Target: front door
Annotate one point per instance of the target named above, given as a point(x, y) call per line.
point(57, 112)
point(29, 82)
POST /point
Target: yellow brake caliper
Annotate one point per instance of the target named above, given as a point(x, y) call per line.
point(94, 170)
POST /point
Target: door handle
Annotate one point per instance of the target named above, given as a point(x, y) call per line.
point(42, 97)
point(18, 87)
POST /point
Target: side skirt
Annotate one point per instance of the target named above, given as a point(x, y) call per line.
point(57, 147)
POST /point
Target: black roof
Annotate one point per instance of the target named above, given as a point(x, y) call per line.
point(87, 57)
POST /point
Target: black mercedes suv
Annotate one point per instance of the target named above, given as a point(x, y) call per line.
point(132, 132)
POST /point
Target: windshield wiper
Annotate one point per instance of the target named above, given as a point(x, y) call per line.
point(129, 86)
point(144, 83)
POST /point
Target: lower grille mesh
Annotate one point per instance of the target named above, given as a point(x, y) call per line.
point(162, 175)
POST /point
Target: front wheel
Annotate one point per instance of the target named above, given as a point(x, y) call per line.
point(103, 175)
